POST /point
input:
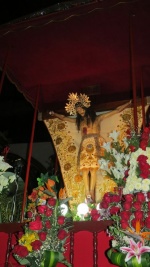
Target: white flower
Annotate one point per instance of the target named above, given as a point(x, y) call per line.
point(145, 187)
point(107, 146)
point(12, 178)
point(114, 135)
point(125, 142)
point(5, 178)
point(114, 243)
point(127, 239)
point(104, 165)
point(4, 165)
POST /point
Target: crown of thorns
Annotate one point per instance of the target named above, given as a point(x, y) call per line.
point(76, 100)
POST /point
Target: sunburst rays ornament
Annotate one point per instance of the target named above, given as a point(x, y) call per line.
point(73, 99)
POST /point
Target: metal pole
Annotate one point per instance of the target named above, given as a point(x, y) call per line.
point(133, 73)
point(29, 155)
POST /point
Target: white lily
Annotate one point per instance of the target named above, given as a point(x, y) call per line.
point(107, 146)
point(135, 250)
point(114, 135)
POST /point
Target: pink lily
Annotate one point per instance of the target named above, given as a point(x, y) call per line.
point(136, 249)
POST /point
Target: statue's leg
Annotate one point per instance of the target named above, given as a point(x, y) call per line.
point(93, 174)
point(85, 175)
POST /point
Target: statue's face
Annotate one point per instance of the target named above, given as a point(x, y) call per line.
point(80, 111)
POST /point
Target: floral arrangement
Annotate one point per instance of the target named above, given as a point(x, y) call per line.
point(129, 206)
point(114, 161)
point(46, 230)
point(5, 178)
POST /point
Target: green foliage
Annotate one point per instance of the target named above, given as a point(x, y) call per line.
point(44, 178)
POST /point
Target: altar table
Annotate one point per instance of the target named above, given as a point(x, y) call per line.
point(80, 249)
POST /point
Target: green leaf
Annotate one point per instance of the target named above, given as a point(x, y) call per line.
point(145, 261)
point(22, 261)
point(117, 258)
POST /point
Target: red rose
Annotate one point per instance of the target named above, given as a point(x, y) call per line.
point(132, 148)
point(147, 222)
point(127, 205)
point(115, 198)
point(148, 204)
point(94, 211)
point(42, 209)
point(143, 144)
point(20, 234)
point(142, 158)
point(107, 198)
point(138, 215)
point(95, 217)
point(140, 197)
point(21, 251)
point(114, 210)
point(125, 215)
point(48, 224)
point(137, 205)
point(42, 236)
point(104, 205)
point(36, 244)
point(29, 214)
point(51, 201)
point(145, 172)
point(49, 212)
point(128, 197)
point(148, 195)
point(128, 132)
point(134, 221)
point(35, 225)
point(61, 220)
point(38, 218)
point(126, 173)
point(124, 224)
point(146, 130)
point(62, 234)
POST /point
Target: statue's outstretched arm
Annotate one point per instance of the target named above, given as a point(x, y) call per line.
point(115, 111)
point(61, 117)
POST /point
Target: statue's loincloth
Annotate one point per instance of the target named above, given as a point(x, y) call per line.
point(90, 151)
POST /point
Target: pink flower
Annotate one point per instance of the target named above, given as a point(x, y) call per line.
point(135, 250)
